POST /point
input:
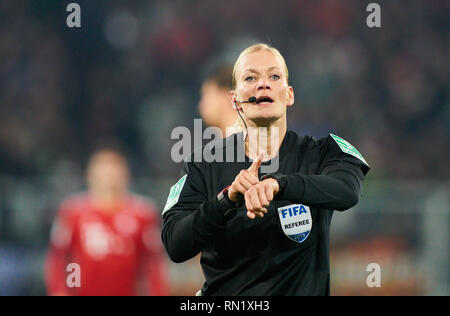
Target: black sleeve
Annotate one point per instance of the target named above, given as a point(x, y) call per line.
point(337, 186)
point(193, 220)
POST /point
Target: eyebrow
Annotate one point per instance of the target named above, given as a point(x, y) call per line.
point(255, 71)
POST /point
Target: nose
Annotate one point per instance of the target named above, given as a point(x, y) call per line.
point(263, 84)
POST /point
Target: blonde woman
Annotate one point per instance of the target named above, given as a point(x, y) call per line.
point(263, 233)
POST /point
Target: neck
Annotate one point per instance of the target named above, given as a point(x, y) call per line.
point(266, 138)
point(107, 201)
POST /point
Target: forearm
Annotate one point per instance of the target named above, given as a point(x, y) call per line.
point(338, 190)
point(185, 233)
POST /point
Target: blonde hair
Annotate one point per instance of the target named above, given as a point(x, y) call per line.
point(239, 124)
point(256, 48)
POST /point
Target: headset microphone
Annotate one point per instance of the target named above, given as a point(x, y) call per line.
point(250, 100)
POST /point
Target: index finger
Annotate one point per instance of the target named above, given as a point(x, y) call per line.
point(253, 169)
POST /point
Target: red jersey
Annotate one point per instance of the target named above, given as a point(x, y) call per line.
point(118, 253)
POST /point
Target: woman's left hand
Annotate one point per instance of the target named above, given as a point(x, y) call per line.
point(259, 196)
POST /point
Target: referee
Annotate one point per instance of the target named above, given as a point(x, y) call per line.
point(263, 233)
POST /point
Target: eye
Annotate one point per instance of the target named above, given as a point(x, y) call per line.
point(249, 78)
point(275, 77)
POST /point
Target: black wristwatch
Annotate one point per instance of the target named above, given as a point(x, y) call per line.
point(224, 200)
point(228, 206)
point(281, 179)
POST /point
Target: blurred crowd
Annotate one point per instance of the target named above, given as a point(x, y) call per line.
point(133, 71)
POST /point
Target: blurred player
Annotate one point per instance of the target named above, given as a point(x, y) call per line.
point(214, 105)
point(111, 234)
point(215, 110)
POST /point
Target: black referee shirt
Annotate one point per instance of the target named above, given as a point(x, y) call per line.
point(240, 256)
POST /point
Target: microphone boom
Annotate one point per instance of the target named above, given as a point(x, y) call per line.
point(250, 100)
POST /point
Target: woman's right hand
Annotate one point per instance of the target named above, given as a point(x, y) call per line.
point(245, 180)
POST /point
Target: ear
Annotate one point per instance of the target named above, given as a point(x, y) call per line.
point(290, 96)
point(233, 97)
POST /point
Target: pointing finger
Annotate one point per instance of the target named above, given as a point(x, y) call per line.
point(255, 165)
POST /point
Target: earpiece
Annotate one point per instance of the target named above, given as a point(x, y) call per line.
point(236, 107)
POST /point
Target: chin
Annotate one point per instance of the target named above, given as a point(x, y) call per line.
point(265, 118)
point(262, 121)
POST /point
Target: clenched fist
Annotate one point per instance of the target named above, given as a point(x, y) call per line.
point(259, 196)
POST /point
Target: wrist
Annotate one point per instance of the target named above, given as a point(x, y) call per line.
point(224, 199)
point(237, 199)
point(274, 184)
point(230, 196)
point(280, 179)
point(227, 206)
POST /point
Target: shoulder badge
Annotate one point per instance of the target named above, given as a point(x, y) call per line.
point(174, 194)
point(348, 148)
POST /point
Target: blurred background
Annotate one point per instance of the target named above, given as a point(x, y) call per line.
point(132, 73)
